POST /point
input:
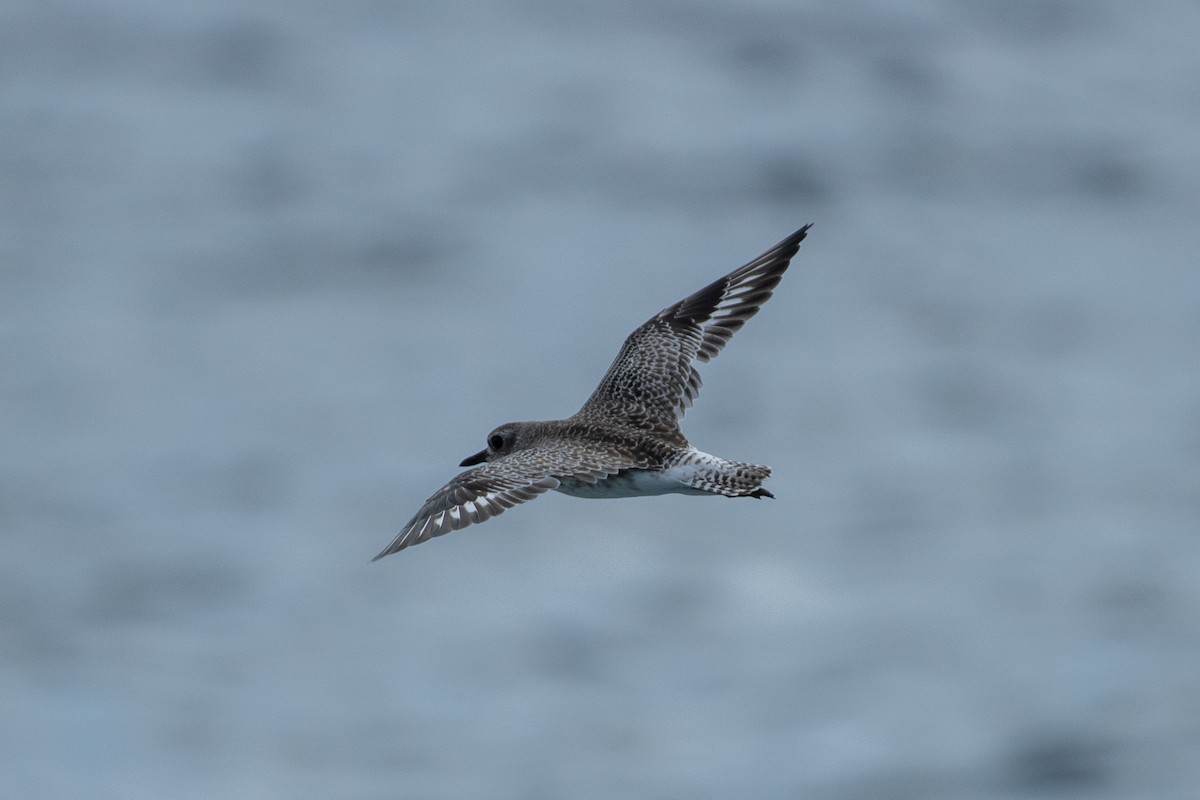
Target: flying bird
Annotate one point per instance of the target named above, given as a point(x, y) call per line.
point(625, 441)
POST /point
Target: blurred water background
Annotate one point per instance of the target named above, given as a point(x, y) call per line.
point(269, 270)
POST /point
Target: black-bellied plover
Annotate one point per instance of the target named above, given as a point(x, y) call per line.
point(625, 441)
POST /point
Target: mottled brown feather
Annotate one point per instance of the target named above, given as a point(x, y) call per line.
point(653, 380)
point(490, 489)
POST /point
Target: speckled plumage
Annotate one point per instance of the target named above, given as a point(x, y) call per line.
point(625, 441)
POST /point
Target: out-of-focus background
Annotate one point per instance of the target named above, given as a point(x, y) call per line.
point(268, 271)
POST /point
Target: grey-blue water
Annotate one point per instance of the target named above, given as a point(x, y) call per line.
point(268, 271)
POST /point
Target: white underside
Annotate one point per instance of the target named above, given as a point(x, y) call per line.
point(636, 483)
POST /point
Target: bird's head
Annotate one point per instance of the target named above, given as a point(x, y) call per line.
point(502, 441)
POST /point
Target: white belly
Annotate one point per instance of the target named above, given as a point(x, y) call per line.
point(634, 483)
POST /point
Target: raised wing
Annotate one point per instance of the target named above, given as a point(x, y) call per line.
point(653, 380)
point(492, 488)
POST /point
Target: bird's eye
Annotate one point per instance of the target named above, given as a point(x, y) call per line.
point(496, 441)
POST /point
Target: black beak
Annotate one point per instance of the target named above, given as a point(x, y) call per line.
point(471, 461)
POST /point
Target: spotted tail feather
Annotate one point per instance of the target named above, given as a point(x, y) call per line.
point(730, 478)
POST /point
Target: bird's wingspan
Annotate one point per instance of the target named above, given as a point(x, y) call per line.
point(653, 380)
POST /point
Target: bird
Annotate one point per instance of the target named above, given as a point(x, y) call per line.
point(625, 441)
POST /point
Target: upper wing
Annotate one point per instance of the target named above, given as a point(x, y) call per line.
point(492, 488)
point(653, 381)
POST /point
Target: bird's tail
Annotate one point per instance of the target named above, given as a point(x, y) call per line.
point(730, 478)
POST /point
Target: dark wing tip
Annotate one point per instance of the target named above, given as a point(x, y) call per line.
point(398, 544)
point(387, 551)
point(781, 254)
point(798, 236)
point(767, 271)
point(785, 250)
